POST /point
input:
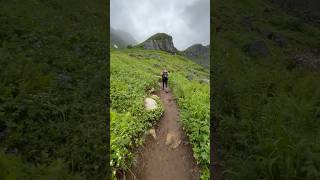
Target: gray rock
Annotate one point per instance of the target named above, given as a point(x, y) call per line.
point(153, 133)
point(155, 97)
point(257, 49)
point(160, 41)
point(309, 59)
point(13, 151)
point(64, 80)
point(156, 65)
point(173, 140)
point(204, 81)
point(152, 90)
point(278, 38)
point(190, 77)
point(2, 134)
point(150, 104)
point(199, 54)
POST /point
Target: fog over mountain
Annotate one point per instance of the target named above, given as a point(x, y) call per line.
point(188, 22)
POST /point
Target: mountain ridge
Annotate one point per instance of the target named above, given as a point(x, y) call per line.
point(162, 41)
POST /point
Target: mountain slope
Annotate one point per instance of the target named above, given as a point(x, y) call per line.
point(307, 10)
point(199, 54)
point(267, 103)
point(52, 89)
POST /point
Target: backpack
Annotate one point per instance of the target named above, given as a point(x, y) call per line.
point(165, 75)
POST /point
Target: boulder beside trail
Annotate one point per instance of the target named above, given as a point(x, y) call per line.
point(150, 104)
point(153, 133)
point(155, 97)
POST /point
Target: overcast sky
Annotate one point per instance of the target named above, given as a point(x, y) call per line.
point(187, 21)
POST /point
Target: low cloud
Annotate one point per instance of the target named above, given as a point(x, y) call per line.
point(188, 22)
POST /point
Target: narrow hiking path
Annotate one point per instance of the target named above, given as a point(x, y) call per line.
point(168, 156)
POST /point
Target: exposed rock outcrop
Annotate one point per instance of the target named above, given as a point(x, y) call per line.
point(199, 54)
point(309, 59)
point(160, 41)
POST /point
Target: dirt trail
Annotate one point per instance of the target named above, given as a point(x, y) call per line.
point(159, 161)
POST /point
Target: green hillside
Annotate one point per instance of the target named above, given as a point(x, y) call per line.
point(52, 89)
point(266, 103)
point(134, 73)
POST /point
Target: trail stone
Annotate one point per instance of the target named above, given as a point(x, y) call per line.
point(151, 90)
point(150, 104)
point(153, 133)
point(155, 97)
point(172, 140)
point(169, 139)
point(176, 144)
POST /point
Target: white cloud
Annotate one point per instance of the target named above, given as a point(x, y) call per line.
point(188, 22)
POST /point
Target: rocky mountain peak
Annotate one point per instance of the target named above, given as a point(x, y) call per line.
point(160, 41)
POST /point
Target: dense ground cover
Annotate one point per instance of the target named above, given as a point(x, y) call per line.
point(267, 107)
point(133, 73)
point(52, 89)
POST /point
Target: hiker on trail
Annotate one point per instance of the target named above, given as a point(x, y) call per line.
point(164, 78)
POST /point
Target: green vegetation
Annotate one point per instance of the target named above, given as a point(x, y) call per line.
point(267, 108)
point(133, 73)
point(52, 89)
point(129, 85)
point(194, 103)
point(160, 36)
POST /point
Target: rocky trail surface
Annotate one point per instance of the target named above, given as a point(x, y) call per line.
point(166, 154)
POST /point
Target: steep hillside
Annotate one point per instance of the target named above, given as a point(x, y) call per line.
point(135, 76)
point(308, 10)
point(120, 39)
point(199, 54)
point(267, 102)
point(52, 89)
